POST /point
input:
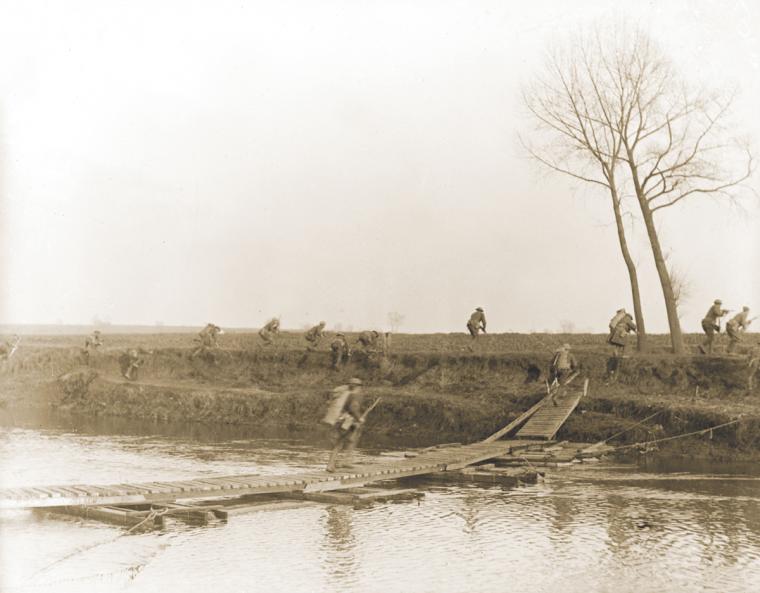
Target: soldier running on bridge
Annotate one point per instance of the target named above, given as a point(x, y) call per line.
point(477, 323)
point(345, 416)
point(269, 331)
point(711, 325)
point(341, 352)
point(620, 325)
point(735, 327)
point(314, 336)
point(563, 367)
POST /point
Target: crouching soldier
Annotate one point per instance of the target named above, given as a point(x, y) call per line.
point(368, 340)
point(269, 331)
point(131, 361)
point(735, 327)
point(711, 325)
point(477, 323)
point(314, 336)
point(341, 352)
point(208, 338)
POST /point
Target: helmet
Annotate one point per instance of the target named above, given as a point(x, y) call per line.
point(718, 302)
point(322, 323)
point(566, 346)
point(340, 334)
point(479, 309)
point(745, 308)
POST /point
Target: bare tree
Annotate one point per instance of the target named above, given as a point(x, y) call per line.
point(573, 138)
point(672, 139)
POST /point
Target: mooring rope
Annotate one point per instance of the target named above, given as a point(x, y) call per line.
point(149, 517)
point(679, 436)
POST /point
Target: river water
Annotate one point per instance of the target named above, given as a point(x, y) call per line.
point(586, 528)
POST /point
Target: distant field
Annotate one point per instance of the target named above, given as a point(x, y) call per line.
point(452, 342)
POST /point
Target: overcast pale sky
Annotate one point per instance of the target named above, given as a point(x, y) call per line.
point(224, 161)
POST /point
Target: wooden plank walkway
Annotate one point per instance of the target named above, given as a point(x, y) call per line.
point(548, 419)
point(426, 462)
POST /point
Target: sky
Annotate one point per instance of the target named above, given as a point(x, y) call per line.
point(186, 162)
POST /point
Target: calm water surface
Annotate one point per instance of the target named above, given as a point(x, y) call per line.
point(586, 528)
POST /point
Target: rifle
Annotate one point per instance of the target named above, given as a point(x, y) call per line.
point(368, 410)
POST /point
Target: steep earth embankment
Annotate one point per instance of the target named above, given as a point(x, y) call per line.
point(459, 396)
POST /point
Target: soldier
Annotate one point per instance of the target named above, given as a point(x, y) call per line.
point(314, 336)
point(711, 325)
point(8, 348)
point(269, 331)
point(91, 344)
point(208, 338)
point(623, 324)
point(477, 323)
point(341, 352)
point(344, 415)
point(368, 339)
point(130, 361)
point(563, 365)
point(735, 327)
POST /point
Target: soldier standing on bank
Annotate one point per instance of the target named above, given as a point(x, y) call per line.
point(711, 325)
point(314, 336)
point(91, 344)
point(735, 327)
point(620, 325)
point(341, 352)
point(477, 323)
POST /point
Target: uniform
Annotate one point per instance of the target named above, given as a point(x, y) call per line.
point(711, 324)
point(620, 331)
point(268, 332)
point(735, 327)
point(129, 362)
point(91, 343)
point(314, 335)
point(368, 339)
point(340, 351)
point(208, 339)
point(477, 322)
point(345, 417)
point(563, 365)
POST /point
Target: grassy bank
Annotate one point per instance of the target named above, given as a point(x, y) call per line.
point(443, 389)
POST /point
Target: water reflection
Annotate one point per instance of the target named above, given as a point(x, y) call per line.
point(585, 529)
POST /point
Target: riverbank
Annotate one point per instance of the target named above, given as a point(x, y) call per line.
point(454, 395)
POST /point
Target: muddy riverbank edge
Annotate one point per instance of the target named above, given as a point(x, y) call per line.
point(443, 396)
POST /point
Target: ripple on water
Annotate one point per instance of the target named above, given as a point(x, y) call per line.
point(586, 530)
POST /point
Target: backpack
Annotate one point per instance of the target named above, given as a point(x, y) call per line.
point(336, 405)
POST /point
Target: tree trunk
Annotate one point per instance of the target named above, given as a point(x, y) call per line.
point(676, 337)
point(641, 332)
